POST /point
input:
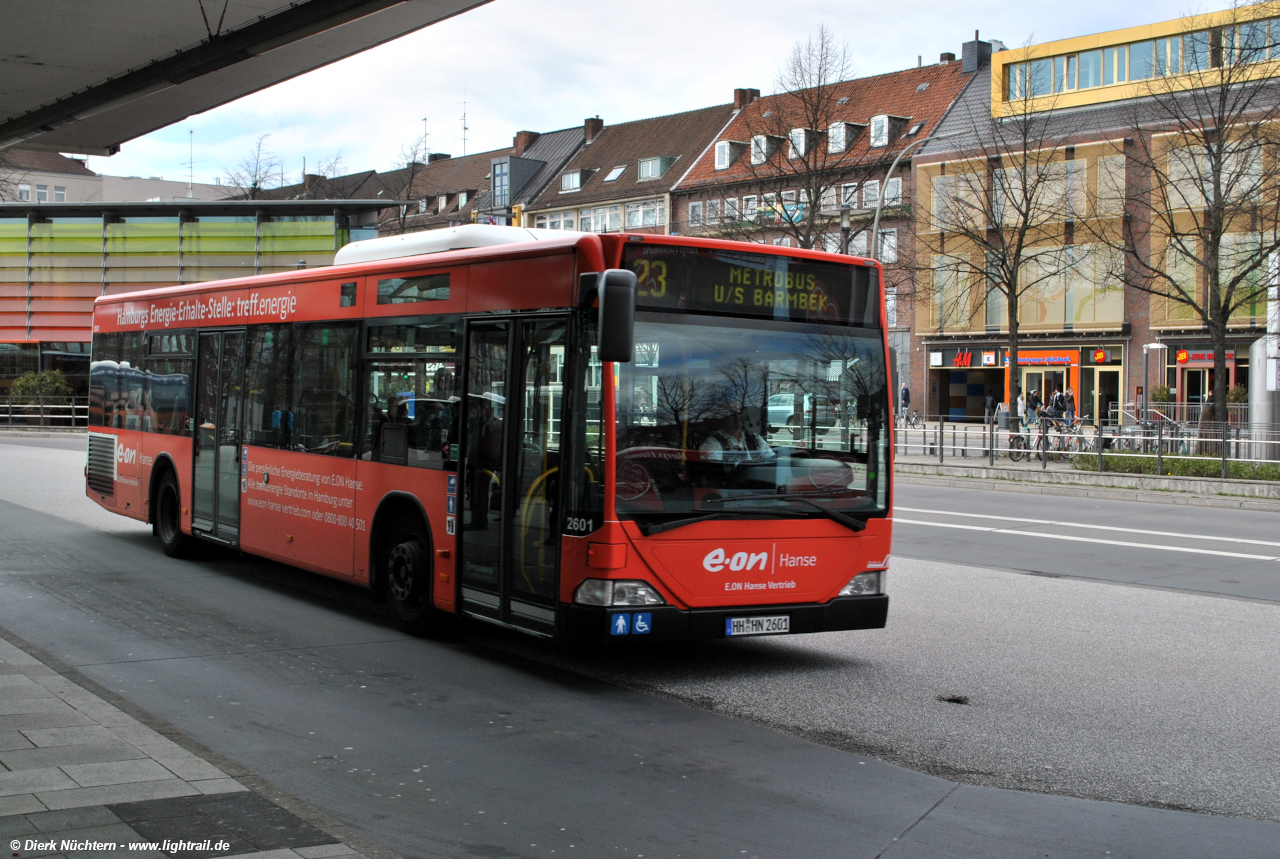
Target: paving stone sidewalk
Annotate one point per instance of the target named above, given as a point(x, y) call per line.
point(79, 777)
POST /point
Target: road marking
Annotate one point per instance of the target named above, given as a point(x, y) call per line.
point(1126, 543)
point(1092, 527)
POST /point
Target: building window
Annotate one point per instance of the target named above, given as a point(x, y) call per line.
point(888, 246)
point(893, 192)
point(422, 206)
point(783, 242)
point(831, 242)
point(880, 130)
point(731, 209)
point(501, 183)
point(858, 244)
point(759, 149)
point(713, 212)
point(59, 194)
point(798, 143)
point(849, 195)
point(462, 200)
point(42, 193)
point(649, 213)
point(571, 181)
point(650, 168)
point(442, 203)
point(723, 153)
point(695, 214)
point(870, 194)
point(836, 137)
point(615, 173)
point(555, 221)
point(24, 192)
point(540, 222)
point(750, 209)
point(601, 219)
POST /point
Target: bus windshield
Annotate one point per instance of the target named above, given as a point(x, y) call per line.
point(723, 415)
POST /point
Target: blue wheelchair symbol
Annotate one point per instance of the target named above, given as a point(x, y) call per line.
point(642, 624)
point(620, 624)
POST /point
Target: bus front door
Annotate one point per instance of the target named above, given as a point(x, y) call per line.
point(510, 465)
point(215, 485)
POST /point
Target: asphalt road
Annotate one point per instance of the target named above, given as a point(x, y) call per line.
point(1200, 549)
point(492, 745)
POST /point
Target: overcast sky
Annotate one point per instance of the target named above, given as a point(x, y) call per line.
point(548, 64)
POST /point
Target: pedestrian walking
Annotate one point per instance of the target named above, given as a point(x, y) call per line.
point(1022, 408)
point(1070, 400)
point(905, 398)
point(1033, 407)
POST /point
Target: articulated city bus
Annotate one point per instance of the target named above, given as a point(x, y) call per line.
point(579, 436)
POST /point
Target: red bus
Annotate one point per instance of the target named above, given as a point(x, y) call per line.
point(579, 436)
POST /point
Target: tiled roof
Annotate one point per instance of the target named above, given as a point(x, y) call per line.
point(897, 94)
point(678, 136)
point(554, 147)
point(448, 177)
point(36, 161)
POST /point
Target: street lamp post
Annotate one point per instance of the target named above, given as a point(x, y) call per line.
point(844, 228)
point(1148, 348)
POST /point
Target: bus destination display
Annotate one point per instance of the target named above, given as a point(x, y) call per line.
point(757, 285)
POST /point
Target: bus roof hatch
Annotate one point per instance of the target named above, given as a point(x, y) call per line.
point(438, 241)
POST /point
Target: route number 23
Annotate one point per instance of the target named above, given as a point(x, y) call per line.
point(651, 277)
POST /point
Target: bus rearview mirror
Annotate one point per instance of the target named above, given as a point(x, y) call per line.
point(617, 329)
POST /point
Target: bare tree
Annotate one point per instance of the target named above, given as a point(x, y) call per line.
point(258, 171)
point(798, 151)
point(9, 176)
point(995, 234)
point(1203, 217)
point(410, 162)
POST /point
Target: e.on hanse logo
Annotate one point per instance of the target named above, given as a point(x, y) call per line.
point(717, 560)
point(126, 455)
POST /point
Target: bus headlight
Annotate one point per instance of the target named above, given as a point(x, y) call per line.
point(610, 593)
point(864, 584)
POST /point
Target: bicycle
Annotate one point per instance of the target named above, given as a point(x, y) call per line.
point(910, 419)
point(1051, 441)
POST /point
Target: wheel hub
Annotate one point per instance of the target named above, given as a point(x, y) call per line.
point(402, 567)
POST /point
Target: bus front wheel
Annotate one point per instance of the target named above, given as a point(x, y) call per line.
point(167, 525)
point(407, 577)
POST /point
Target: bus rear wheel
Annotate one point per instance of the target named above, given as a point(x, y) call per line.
point(167, 525)
point(407, 577)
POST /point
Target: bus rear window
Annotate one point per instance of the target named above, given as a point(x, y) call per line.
point(407, 290)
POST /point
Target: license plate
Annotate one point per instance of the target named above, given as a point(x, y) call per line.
point(772, 625)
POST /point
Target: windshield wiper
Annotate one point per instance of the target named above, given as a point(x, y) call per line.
point(848, 521)
point(659, 527)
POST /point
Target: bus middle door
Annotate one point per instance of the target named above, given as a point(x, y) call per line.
point(510, 463)
point(215, 486)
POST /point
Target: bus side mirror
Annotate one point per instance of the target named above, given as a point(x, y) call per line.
point(617, 292)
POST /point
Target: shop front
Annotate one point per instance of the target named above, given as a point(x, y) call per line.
point(1045, 371)
point(961, 379)
point(1190, 373)
point(1101, 383)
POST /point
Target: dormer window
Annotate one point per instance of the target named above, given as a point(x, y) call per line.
point(442, 202)
point(653, 168)
point(571, 181)
point(723, 155)
point(615, 173)
point(462, 200)
point(798, 142)
point(880, 130)
point(760, 149)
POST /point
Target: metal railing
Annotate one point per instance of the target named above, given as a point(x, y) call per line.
point(1183, 413)
point(47, 412)
point(1159, 446)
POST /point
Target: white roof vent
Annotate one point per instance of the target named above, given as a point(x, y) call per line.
point(439, 241)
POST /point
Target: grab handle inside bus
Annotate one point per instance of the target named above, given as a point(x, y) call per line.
point(617, 292)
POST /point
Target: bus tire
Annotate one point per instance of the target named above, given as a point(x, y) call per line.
point(406, 576)
point(166, 525)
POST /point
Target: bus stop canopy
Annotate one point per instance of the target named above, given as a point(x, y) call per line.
point(85, 77)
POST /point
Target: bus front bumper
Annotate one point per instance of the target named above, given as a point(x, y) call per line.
point(578, 623)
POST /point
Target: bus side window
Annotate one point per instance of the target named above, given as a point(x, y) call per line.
point(324, 393)
point(412, 384)
point(269, 422)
